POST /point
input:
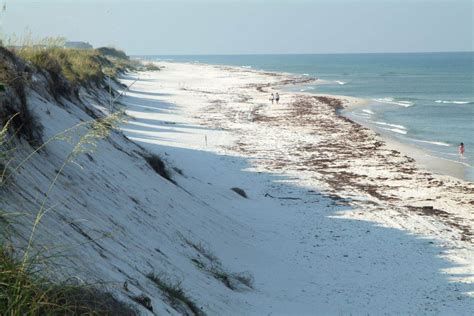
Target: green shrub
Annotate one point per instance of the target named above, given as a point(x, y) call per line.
point(112, 52)
point(77, 66)
point(152, 67)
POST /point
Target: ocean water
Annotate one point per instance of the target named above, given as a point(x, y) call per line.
point(424, 99)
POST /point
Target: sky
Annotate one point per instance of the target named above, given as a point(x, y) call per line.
point(249, 27)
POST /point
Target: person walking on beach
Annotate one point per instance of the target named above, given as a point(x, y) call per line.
point(272, 98)
point(461, 149)
point(277, 97)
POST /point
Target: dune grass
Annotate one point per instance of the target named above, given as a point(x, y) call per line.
point(23, 291)
point(77, 66)
point(175, 293)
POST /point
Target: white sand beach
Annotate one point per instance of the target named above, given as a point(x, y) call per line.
point(336, 220)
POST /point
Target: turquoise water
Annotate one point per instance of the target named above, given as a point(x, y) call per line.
point(425, 99)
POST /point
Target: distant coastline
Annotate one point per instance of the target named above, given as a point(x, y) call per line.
point(430, 87)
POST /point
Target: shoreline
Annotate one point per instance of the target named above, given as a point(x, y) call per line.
point(422, 156)
point(424, 159)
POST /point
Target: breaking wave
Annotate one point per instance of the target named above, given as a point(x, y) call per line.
point(430, 142)
point(453, 102)
point(392, 101)
point(368, 112)
point(401, 127)
point(396, 130)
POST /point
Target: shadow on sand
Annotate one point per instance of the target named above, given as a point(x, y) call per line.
point(306, 255)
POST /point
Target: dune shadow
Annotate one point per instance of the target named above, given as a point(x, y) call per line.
point(147, 127)
point(151, 94)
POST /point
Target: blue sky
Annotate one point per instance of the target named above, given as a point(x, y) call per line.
point(250, 27)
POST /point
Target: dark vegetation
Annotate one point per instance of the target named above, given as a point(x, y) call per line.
point(65, 71)
point(13, 103)
point(144, 301)
point(79, 67)
point(332, 102)
point(152, 67)
point(112, 52)
point(24, 292)
point(175, 295)
point(240, 192)
point(158, 166)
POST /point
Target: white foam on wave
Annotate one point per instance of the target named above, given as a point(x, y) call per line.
point(431, 142)
point(305, 75)
point(341, 82)
point(247, 67)
point(368, 111)
point(452, 102)
point(306, 89)
point(396, 130)
point(401, 127)
point(392, 101)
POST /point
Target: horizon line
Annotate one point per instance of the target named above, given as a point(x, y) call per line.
point(276, 54)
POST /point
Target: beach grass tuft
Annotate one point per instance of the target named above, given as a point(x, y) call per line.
point(174, 293)
point(211, 264)
point(24, 292)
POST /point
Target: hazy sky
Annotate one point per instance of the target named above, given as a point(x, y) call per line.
point(250, 27)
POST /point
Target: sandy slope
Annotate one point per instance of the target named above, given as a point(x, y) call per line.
point(334, 222)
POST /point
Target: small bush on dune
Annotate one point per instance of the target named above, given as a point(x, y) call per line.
point(152, 67)
point(113, 52)
point(214, 267)
point(203, 250)
point(158, 165)
point(13, 76)
point(233, 281)
point(175, 293)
